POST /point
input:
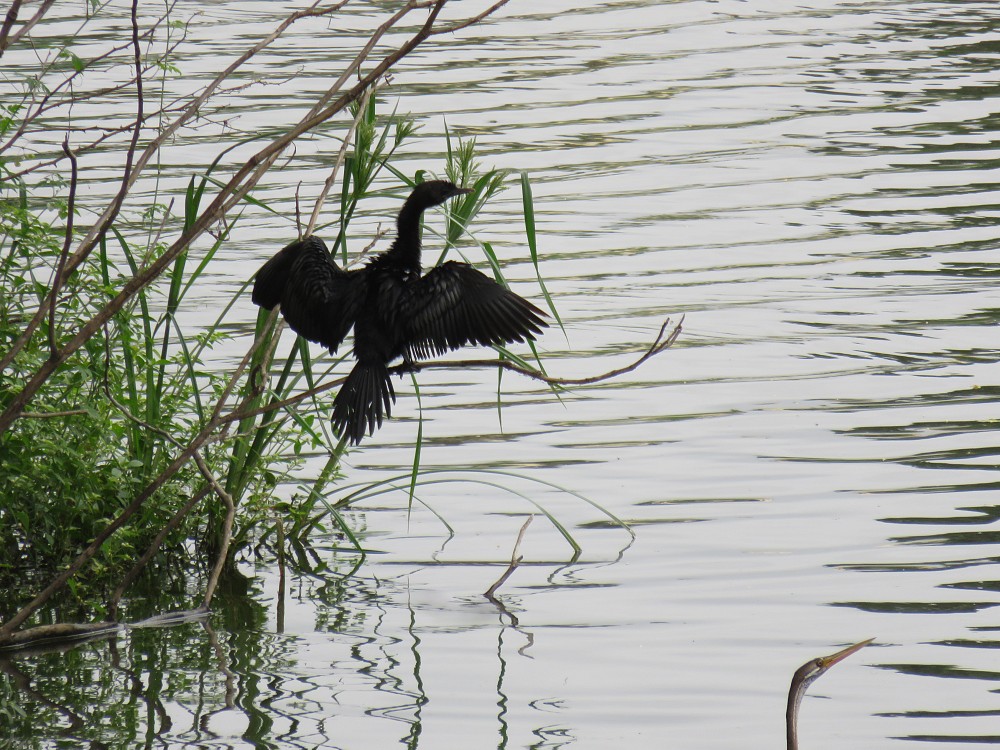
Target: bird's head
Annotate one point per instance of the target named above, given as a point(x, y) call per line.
point(434, 193)
point(811, 670)
point(803, 678)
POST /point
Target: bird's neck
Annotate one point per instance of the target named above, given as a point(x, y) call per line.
point(791, 738)
point(792, 715)
point(406, 249)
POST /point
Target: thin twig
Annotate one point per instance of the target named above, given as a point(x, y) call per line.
point(379, 234)
point(110, 132)
point(298, 211)
point(139, 104)
point(341, 155)
point(46, 103)
point(659, 344)
point(52, 414)
point(227, 528)
point(57, 280)
point(475, 19)
point(355, 64)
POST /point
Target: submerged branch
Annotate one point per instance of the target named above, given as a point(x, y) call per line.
point(515, 560)
point(227, 528)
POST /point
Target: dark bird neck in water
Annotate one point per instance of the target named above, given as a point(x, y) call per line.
point(394, 311)
point(803, 678)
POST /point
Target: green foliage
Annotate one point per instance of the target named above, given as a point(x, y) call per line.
point(113, 417)
point(75, 460)
point(109, 420)
point(120, 391)
point(372, 150)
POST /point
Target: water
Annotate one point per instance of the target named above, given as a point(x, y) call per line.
point(813, 186)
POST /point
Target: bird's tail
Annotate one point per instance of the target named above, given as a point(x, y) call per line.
point(365, 398)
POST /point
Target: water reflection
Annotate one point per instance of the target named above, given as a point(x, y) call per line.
point(241, 684)
point(121, 695)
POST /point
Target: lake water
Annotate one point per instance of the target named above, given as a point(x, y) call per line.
point(813, 186)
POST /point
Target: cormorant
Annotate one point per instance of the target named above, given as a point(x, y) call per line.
point(395, 311)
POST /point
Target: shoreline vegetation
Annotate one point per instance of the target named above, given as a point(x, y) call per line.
point(123, 453)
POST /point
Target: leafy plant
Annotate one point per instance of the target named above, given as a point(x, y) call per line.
point(120, 446)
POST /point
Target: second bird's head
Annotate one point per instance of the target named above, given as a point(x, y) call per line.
point(435, 192)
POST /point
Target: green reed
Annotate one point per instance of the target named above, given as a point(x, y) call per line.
point(111, 420)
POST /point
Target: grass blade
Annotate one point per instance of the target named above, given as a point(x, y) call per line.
point(415, 471)
point(528, 205)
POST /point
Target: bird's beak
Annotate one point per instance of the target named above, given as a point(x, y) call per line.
point(462, 191)
point(829, 661)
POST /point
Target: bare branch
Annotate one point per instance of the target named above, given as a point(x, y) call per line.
point(52, 414)
point(8, 23)
point(355, 64)
point(5, 39)
point(110, 132)
point(227, 528)
point(46, 104)
point(474, 20)
point(341, 155)
point(130, 154)
point(659, 344)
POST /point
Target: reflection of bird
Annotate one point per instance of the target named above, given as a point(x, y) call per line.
point(394, 310)
point(804, 676)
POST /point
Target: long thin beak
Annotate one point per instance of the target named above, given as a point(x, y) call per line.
point(829, 661)
point(462, 191)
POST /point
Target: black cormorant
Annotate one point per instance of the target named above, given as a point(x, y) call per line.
point(395, 311)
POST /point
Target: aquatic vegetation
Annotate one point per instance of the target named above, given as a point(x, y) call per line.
point(125, 441)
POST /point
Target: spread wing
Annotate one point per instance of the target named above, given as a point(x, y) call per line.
point(269, 282)
point(318, 299)
point(454, 305)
